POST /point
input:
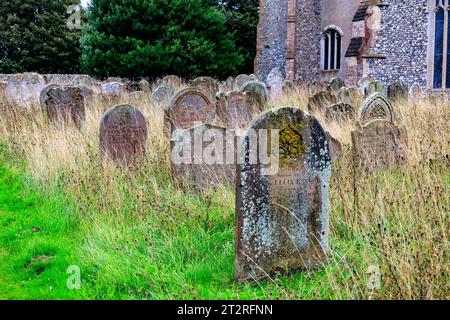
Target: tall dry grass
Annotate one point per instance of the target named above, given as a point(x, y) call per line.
point(394, 220)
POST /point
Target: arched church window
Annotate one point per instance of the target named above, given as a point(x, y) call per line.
point(441, 75)
point(331, 49)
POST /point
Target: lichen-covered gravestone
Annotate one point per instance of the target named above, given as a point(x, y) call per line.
point(282, 215)
point(320, 101)
point(123, 135)
point(378, 144)
point(64, 105)
point(203, 156)
point(340, 112)
point(373, 87)
point(376, 106)
point(189, 107)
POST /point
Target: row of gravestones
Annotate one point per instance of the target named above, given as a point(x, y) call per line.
point(282, 215)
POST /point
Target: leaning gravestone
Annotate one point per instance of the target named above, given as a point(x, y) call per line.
point(376, 106)
point(282, 215)
point(203, 156)
point(397, 91)
point(64, 105)
point(123, 135)
point(340, 112)
point(335, 85)
point(320, 101)
point(275, 83)
point(379, 144)
point(188, 108)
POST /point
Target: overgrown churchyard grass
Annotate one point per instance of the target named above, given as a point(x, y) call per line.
point(135, 235)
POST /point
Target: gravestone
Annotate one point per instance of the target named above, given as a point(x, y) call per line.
point(317, 86)
point(275, 83)
point(258, 89)
point(133, 86)
point(172, 80)
point(112, 90)
point(348, 95)
point(64, 105)
point(379, 144)
point(415, 91)
point(189, 107)
point(376, 106)
point(373, 87)
point(203, 156)
point(397, 91)
point(340, 112)
point(335, 85)
point(235, 109)
point(282, 215)
point(123, 135)
point(206, 84)
point(229, 84)
point(321, 100)
point(240, 80)
point(162, 94)
point(363, 83)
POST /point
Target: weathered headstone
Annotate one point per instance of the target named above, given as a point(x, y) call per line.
point(64, 105)
point(162, 94)
point(335, 85)
point(282, 215)
point(189, 107)
point(229, 84)
point(275, 83)
point(415, 91)
point(123, 135)
point(334, 146)
point(204, 156)
point(113, 90)
point(348, 95)
point(376, 106)
point(172, 80)
point(320, 101)
point(373, 87)
point(397, 91)
point(378, 144)
point(206, 84)
point(258, 89)
point(340, 112)
point(235, 109)
point(240, 80)
point(363, 83)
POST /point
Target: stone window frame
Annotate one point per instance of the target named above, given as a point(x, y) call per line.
point(431, 44)
point(339, 31)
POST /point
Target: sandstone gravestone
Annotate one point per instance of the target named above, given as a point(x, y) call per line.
point(275, 83)
point(123, 135)
point(340, 112)
point(335, 85)
point(321, 100)
point(258, 89)
point(189, 107)
point(65, 105)
point(378, 144)
point(235, 109)
point(376, 106)
point(397, 91)
point(282, 219)
point(203, 156)
point(373, 87)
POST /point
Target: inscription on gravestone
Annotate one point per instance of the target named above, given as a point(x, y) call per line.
point(123, 135)
point(282, 217)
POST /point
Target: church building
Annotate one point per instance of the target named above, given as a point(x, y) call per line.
point(386, 40)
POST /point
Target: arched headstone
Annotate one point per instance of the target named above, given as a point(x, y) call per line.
point(123, 135)
point(240, 80)
point(376, 106)
point(189, 107)
point(258, 89)
point(282, 210)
